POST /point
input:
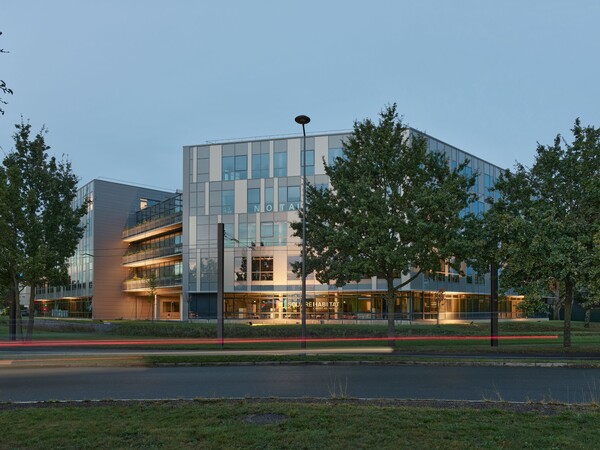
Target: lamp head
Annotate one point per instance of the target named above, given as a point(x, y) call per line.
point(302, 119)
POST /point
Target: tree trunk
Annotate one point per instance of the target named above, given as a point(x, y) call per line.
point(19, 324)
point(588, 316)
point(31, 317)
point(556, 312)
point(568, 303)
point(390, 300)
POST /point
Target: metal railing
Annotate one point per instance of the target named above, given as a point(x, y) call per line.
point(363, 316)
point(142, 283)
point(153, 253)
point(153, 224)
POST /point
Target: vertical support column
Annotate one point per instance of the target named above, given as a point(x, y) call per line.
point(220, 280)
point(156, 307)
point(183, 310)
point(494, 304)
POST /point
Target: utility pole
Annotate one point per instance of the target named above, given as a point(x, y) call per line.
point(220, 281)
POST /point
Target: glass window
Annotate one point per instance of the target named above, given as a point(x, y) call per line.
point(282, 197)
point(269, 199)
point(289, 198)
point(247, 234)
point(262, 268)
point(333, 154)
point(234, 167)
point(227, 202)
point(241, 269)
point(488, 183)
point(241, 167)
point(280, 164)
point(170, 307)
point(228, 167)
point(260, 165)
point(229, 235)
point(254, 200)
point(266, 234)
point(293, 260)
point(469, 274)
point(273, 233)
point(310, 162)
point(280, 233)
point(293, 193)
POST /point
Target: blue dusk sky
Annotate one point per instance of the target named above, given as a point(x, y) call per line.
point(122, 85)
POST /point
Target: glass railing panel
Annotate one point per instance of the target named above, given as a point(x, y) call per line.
point(153, 253)
point(152, 225)
point(142, 283)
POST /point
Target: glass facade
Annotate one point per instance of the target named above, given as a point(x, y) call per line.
point(333, 154)
point(260, 165)
point(130, 233)
point(80, 289)
point(235, 167)
point(260, 250)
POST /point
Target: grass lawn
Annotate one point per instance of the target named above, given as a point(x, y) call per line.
point(335, 424)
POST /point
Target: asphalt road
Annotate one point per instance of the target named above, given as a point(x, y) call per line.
point(571, 385)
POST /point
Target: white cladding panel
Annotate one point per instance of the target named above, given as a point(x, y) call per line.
point(241, 196)
point(215, 162)
point(321, 152)
point(294, 149)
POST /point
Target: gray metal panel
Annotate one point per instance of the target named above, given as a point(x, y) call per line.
point(113, 203)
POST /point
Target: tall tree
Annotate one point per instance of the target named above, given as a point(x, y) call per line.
point(549, 214)
point(590, 294)
point(42, 228)
point(392, 210)
point(4, 89)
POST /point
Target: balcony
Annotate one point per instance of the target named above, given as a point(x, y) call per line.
point(153, 256)
point(141, 284)
point(153, 227)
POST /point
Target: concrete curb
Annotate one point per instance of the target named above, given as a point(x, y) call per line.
point(382, 363)
point(19, 364)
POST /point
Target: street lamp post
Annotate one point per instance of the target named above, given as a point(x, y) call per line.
point(220, 283)
point(303, 120)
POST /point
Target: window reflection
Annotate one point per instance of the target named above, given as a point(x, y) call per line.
point(262, 268)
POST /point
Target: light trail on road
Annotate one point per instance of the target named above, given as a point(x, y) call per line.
point(46, 359)
point(213, 341)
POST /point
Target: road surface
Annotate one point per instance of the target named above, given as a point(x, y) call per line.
point(571, 385)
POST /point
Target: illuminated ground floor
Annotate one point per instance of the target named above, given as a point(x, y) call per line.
point(410, 305)
point(65, 307)
point(339, 305)
point(167, 305)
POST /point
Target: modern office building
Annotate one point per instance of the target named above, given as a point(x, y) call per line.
point(254, 188)
point(132, 235)
point(152, 254)
point(154, 260)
